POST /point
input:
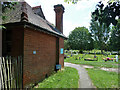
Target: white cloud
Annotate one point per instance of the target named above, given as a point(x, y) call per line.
point(68, 26)
point(86, 4)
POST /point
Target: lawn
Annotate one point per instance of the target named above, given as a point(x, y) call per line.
point(100, 63)
point(103, 79)
point(67, 78)
point(100, 78)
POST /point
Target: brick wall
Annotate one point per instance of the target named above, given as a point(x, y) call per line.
point(17, 41)
point(37, 66)
point(13, 40)
point(61, 56)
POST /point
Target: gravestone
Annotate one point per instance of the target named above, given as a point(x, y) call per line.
point(71, 54)
point(110, 53)
point(116, 58)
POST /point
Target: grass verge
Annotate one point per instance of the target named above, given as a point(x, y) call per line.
point(100, 78)
point(67, 78)
point(103, 79)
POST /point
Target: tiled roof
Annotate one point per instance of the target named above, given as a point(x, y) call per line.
point(13, 15)
point(38, 10)
point(37, 20)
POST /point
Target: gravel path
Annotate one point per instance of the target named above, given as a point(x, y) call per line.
point(104, 68)
point(84, 81)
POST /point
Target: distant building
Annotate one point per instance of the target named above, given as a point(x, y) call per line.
point(40, 43)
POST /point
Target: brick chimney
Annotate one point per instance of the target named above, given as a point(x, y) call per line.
point(59, 10)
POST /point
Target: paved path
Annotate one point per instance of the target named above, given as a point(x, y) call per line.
point(84, 81)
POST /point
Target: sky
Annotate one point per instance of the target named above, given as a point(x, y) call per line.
point(75, 15)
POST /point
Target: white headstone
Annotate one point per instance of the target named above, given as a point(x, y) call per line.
point(116, 58)
point(110, 53)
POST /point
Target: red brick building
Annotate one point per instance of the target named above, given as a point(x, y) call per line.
point(40, 43)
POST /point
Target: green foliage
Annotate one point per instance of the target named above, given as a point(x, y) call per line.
point(100, 33)
point(8, 5)
point(114, 43)
point(108, 14)
point(66, 45)
point(102, 17)
point(73, 1)
point(67, 78)
point(80, 39)
point(2, 27)
point(103, 79)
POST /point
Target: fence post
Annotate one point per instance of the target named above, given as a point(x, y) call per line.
point(0, 73)
point(11, 72)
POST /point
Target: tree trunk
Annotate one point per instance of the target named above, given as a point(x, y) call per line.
point(101, 48)
point(101, 51)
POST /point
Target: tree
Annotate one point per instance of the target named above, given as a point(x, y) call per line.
point(107, 14)
point(80, 39)
point(66, 45)
point(100, 33)
point(110, 12)
point(114, 43)
point(75, 1)
point(104, 17)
